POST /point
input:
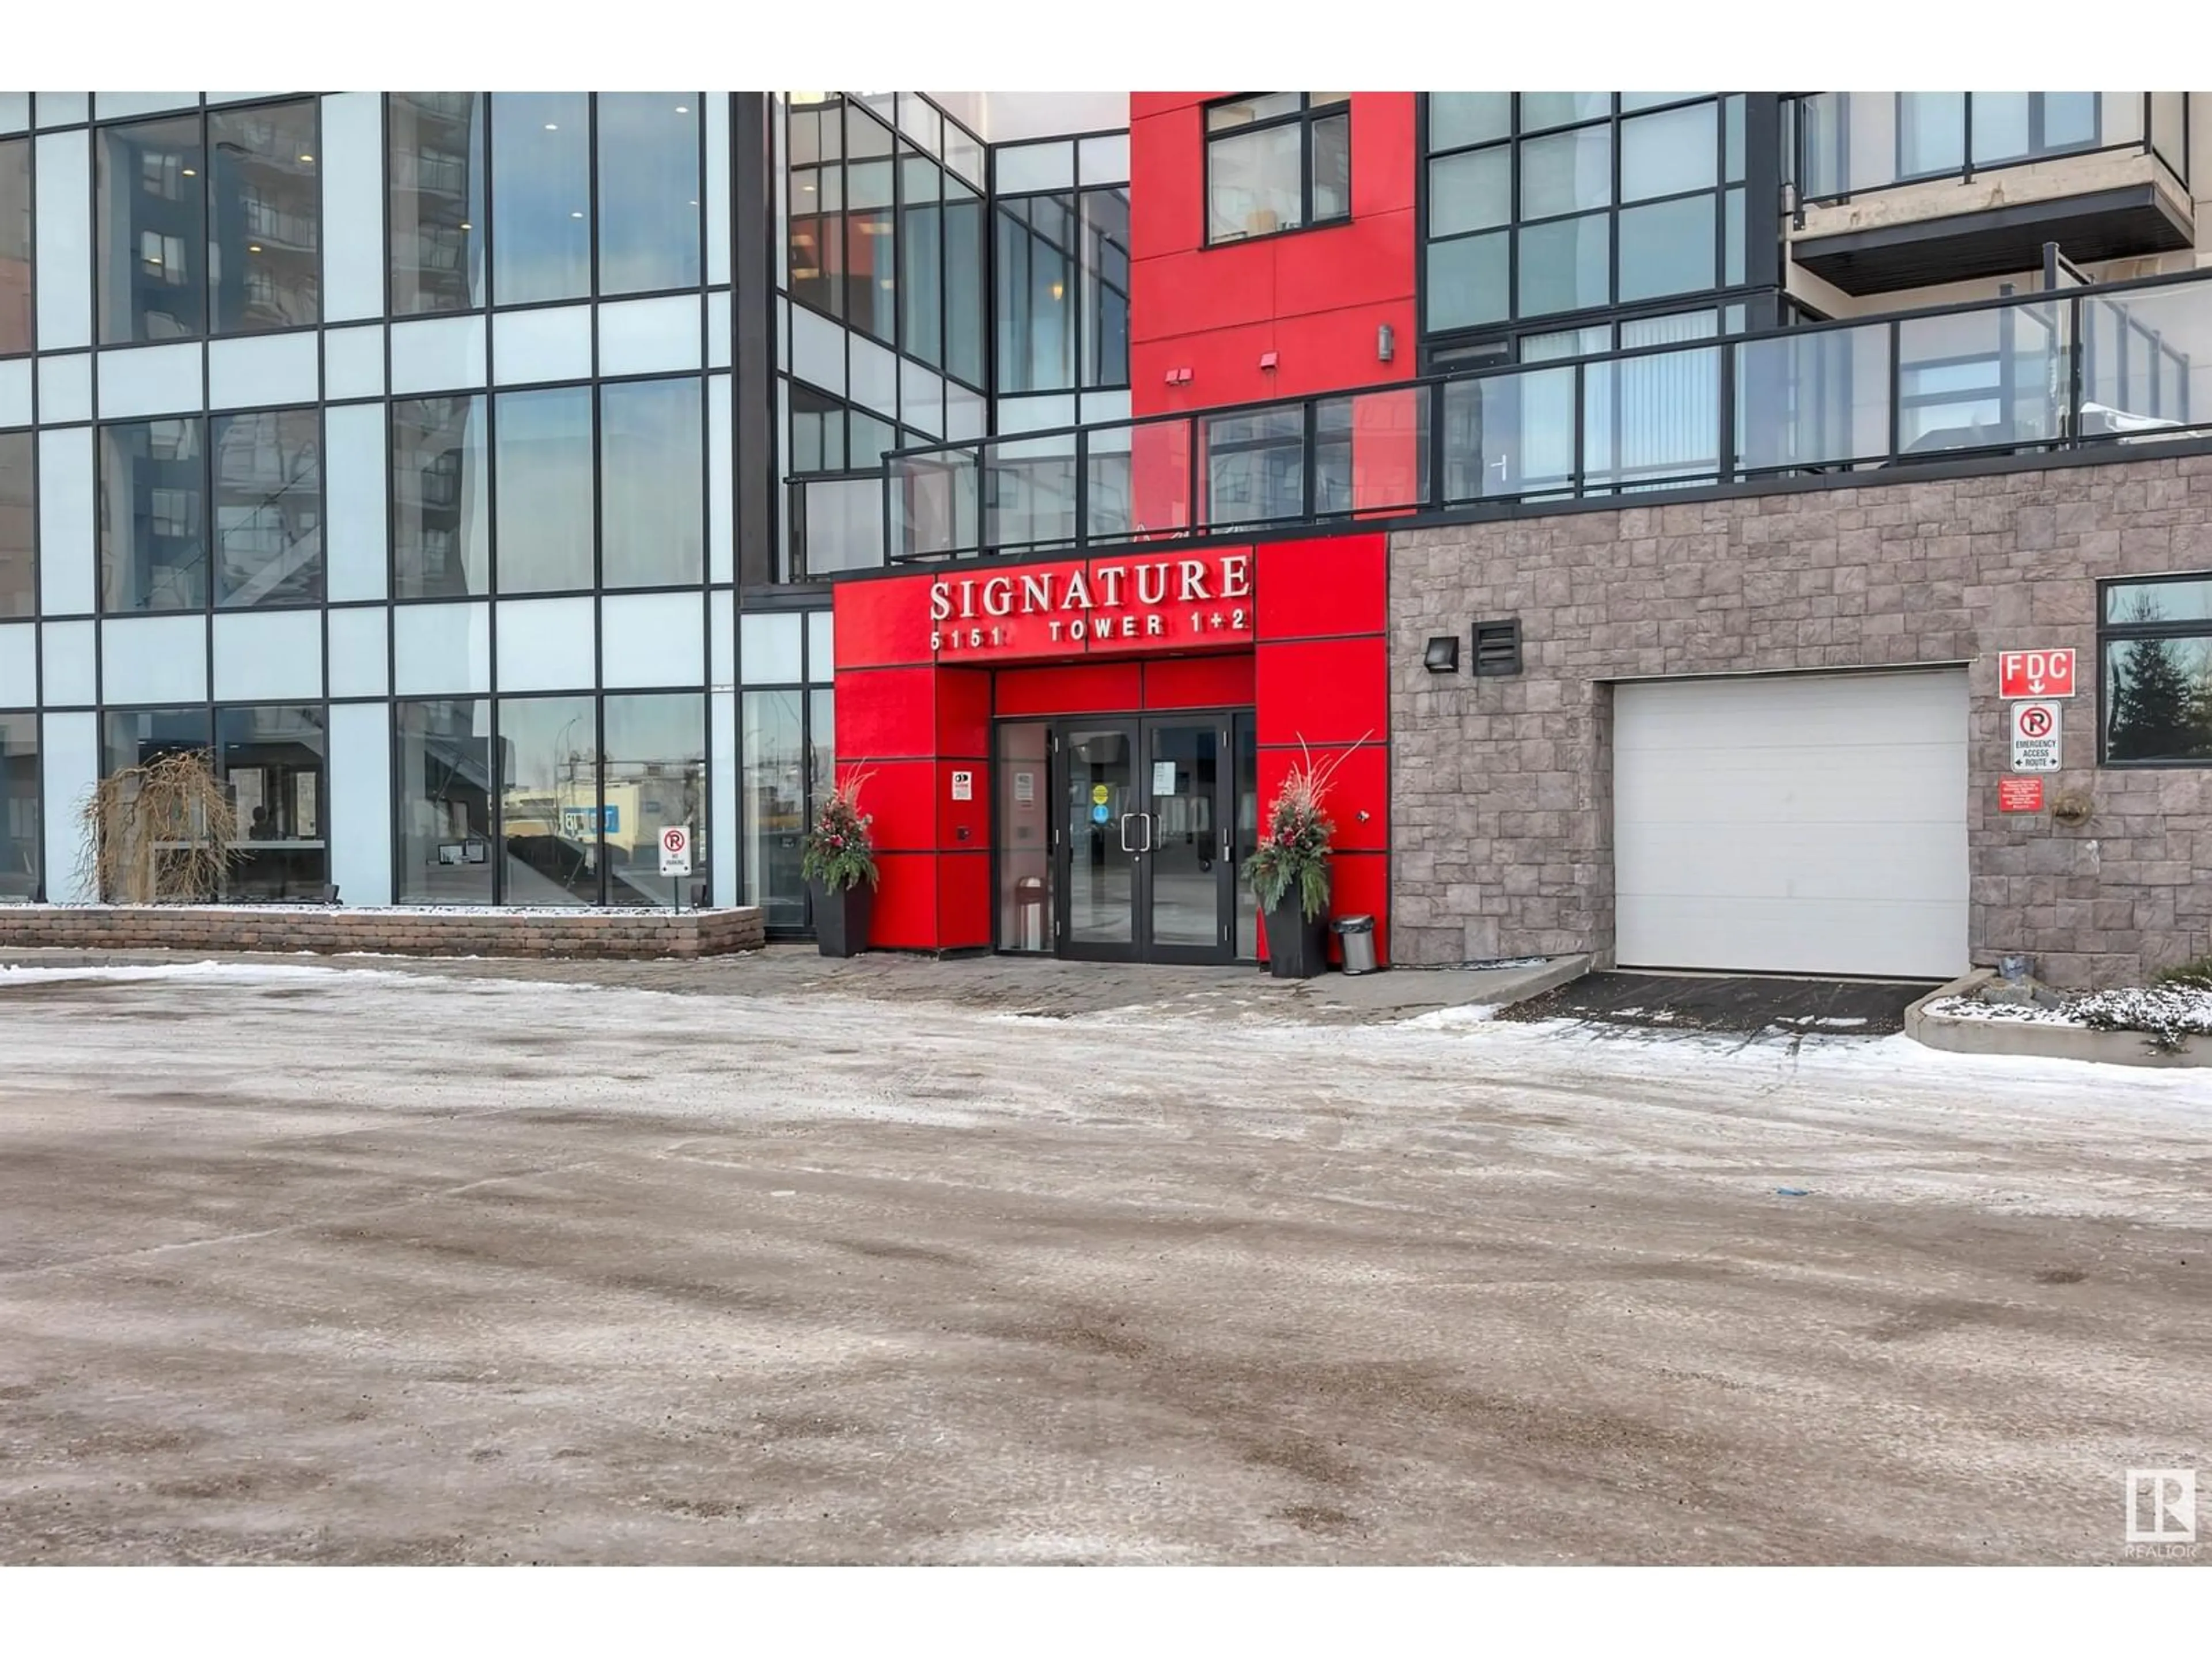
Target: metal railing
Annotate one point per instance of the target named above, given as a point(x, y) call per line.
point(1846, 143)
point(2122, 364)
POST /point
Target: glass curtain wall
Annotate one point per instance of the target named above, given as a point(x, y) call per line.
point(209, 223)
point(19, 572)
point(1544, 205)
point(15, 238)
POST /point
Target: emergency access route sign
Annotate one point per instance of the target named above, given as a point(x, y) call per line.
point(2036, 736)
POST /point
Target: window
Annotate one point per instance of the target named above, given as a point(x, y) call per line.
point(152, 515)
point(444, 786)
point(209, 224)
point(264, 218)
point(652, 777)
point(19, 574)
point(1546, 204)
point(268, 508)
point(1063, 294)
point(2155, 642)
point(1277, 161)
point(652, 459)
point(272, 760)
point(549, 820)
point(438, 222)
point(441, 518)
point(880, 236)
point(546, 490)
point(14, 245)
point(20, 831)
point(648, 176)
point(541, 158)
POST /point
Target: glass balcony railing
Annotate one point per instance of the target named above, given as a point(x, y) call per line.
point(2123, 364)
point(1846, 143)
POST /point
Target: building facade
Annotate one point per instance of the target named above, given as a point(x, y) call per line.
point(1637, 498)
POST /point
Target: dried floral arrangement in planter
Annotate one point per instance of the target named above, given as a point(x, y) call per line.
point(1289, 873)
point(839, 864)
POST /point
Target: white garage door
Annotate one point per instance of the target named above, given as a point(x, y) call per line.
point(1800, 823)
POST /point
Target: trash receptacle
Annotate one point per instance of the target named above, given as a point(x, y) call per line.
point(1029, 902)
point(1357, 934)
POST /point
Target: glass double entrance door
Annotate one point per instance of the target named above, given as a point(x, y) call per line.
point(1155, 818)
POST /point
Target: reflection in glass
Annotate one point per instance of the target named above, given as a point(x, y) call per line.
point(264, 217)
point(1667, 247)
point(134, 737)
point(440, 540)
point(1024, 836)
point(921, 256)
point(1470, 281)
point(541, 158)
point(14, 245)
point(1255, 184)
point(652, 467)
point(272, 759)
point(773, 742)
point(19, 574)
point(1105, 298)
point(438, 212)
point(150, 195)
point(549, 814)
point(1099, 807)
point(1186, 890)
point(152, 516)
point(648, 191)
point(18, 808)
point(444, 785)
point(1564, 265)
point(655, 776)
point(1255, 466)
point(869, 257)
point(967, 293)
point(545, 493)
point(2154, 705)
point(1247, 836)
point(1037, 279)
point(269, 507)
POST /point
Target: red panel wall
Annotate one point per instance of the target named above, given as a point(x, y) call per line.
point(1315, 298)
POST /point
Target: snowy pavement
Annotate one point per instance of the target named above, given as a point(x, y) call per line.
point(308, 1264)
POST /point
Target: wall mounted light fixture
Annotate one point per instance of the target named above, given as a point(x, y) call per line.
point(1386, 343)
point(1442, 655)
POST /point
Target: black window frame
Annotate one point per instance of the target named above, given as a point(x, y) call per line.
point(1304, 117)
point(2110, 633)
point(1729, 187)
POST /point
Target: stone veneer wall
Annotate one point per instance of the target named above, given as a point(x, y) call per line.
point(626, 934)
point(1501, 802)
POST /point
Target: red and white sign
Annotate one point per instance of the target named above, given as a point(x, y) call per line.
point(2020, 794)
point(1127, 604)
point(2035, 673)
point(676, 850)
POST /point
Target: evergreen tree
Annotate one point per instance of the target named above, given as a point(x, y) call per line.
point(2157, 711)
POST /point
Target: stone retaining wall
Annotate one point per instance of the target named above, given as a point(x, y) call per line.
point(606, 934)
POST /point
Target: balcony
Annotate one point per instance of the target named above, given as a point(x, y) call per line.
point(1902, 189)
point(2117, 368)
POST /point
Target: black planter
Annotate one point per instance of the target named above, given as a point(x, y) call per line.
point(1296, 948)
point(842, 918)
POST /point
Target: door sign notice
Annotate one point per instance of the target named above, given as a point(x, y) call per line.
point(2036, 728)
point(1100, 794)
point(1164, 777)
point(2020, 794)
point(1101, 813)
point(963, 786)
point(2035, 674)
point(1024, 788)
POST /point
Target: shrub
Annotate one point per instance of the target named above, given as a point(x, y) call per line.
point(1293, 851)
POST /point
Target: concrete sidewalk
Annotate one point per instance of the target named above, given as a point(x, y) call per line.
point(1041, 988)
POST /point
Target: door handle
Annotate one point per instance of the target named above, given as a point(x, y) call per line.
point(1147, 817)
point(1126, 847)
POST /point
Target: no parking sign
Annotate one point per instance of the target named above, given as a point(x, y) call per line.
point(676, 850)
